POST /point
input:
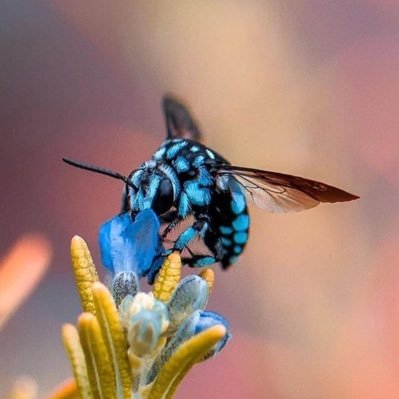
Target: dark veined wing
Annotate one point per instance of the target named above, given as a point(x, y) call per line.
point(179, 122)
point(278, 192)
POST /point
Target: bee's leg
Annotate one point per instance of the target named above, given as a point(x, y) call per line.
point(198, 260)
point(198, 228)
point(174, 222)
point(201, 260)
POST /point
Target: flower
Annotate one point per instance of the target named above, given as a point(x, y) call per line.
point(120, 251)
point(132, 344)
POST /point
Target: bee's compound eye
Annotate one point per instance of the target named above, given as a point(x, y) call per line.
point(163, 200)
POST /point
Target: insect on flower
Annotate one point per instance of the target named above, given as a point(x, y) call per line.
point(185, 178)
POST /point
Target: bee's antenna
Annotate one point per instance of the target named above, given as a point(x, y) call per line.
point(97, 169)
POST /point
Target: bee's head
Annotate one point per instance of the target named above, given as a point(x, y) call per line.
point(154, 186)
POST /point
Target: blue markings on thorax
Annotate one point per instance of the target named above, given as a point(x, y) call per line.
point(175, 148)
point(198, 189)
point(198, 161)
point(181, 164)
point(159, 153)
point(210, 153)
point(204, 178)
point(197, 195)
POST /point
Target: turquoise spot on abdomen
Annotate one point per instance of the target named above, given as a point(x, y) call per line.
point(241, 223)
point(225, 230)
point(238, 203)
point(240, 237)
point(237, 249)
point(226, 241)
point(233, 259)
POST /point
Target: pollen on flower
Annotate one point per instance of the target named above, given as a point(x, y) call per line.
point(168, 277)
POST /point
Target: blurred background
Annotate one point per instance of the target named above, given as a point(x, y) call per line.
point(303, 87)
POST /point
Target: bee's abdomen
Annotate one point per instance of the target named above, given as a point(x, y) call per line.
point(229, 226)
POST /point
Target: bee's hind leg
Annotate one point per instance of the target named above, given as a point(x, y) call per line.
point(198, 260)
point(198, 228)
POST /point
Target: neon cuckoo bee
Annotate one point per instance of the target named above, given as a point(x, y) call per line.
point(185, 178)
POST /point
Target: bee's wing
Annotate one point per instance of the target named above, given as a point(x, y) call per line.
point(179, 122)
point(278, 192)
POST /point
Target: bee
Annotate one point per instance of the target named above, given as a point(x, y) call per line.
point(185, 178)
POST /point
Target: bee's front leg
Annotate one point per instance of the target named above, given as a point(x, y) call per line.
point(198, 228)
point(173, 219)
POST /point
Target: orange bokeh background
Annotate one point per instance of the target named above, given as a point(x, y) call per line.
point(308, 88)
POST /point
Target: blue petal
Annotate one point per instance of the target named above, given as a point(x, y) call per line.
point(209, 319)
point(129, 245)
point(198, 321)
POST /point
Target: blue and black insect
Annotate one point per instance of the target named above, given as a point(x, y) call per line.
point(187, 179)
